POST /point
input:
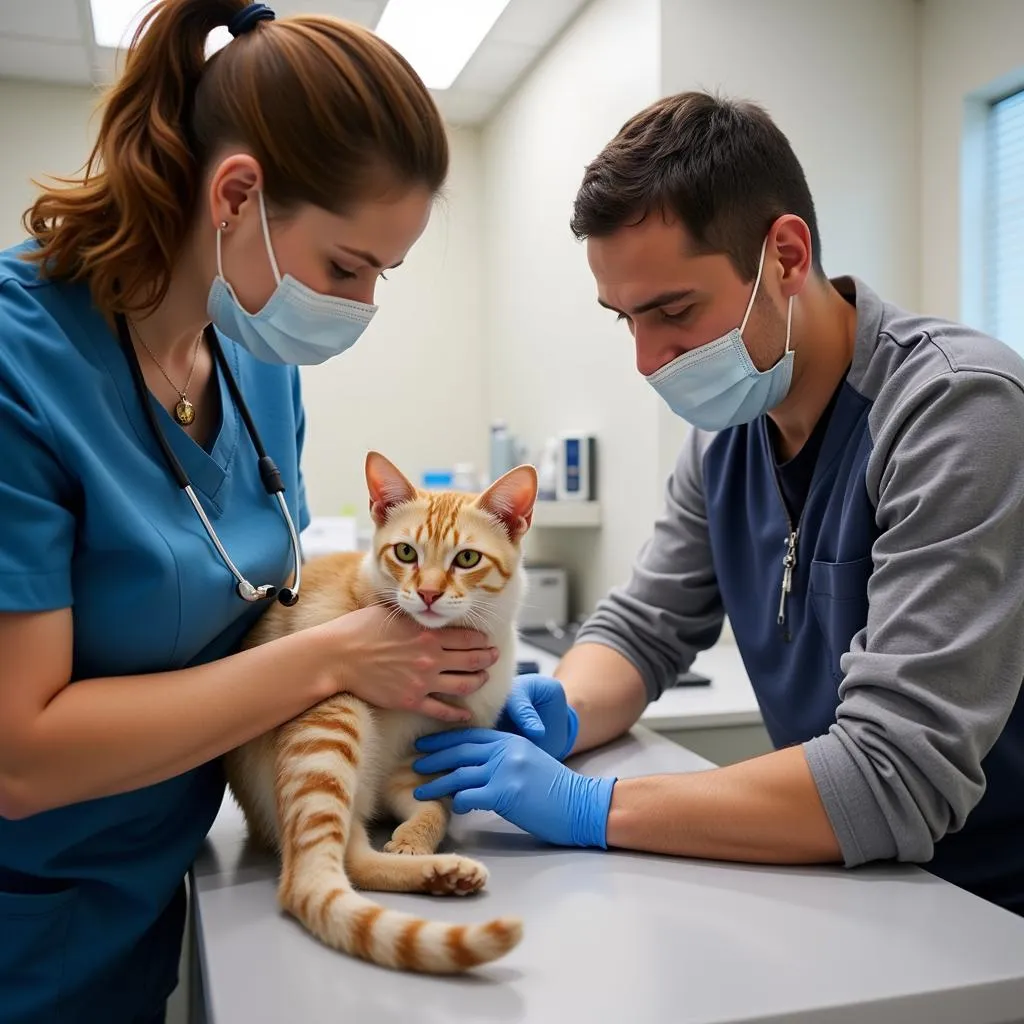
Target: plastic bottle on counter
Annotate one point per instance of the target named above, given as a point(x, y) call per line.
point(547, 471)
point(465, 477)
point(502, 450)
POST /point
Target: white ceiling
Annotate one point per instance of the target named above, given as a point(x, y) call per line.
point(52, 41)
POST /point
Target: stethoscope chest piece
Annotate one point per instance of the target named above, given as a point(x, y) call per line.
point(247, 592)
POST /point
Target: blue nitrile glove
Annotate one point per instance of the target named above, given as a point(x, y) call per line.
point(536, 708)
point(499, 771)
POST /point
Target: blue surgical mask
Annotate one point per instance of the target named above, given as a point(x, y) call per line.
point(297, 326)
point(717, 386)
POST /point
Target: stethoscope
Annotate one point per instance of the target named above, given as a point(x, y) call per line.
point(269, 473)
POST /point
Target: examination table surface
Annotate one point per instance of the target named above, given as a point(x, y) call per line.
point(621, 937)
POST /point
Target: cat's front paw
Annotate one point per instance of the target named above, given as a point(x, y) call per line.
point(413, 838)
point(451, 875)
point(407, 846)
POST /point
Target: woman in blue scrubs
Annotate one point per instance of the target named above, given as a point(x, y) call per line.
point(263, 192)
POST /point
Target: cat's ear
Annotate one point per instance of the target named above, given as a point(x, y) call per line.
point(387, 486)
point(511, 498)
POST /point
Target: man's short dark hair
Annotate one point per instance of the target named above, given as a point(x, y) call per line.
point(721, 167)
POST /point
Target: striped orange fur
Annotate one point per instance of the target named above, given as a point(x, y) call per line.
point(310, 787)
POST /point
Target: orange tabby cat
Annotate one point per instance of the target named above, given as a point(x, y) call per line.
point(309, 788)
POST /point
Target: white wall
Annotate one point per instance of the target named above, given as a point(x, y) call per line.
point(840, 80)
point(413, 385)
point(46, 130)
point(969, 51)
point(555, 359)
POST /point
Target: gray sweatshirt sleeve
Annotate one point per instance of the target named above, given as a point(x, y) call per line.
point(670, 609)
point(930, 681)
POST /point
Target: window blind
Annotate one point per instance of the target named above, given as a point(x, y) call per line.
point(1004, 221)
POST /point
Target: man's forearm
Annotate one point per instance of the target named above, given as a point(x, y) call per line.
point(765, 810)
point(605, 690)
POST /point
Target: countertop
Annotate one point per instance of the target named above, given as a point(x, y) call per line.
point(624, 938)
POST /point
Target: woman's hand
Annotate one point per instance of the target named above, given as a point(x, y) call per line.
point(391, 662)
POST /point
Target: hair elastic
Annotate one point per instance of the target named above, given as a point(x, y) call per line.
point(248, 18)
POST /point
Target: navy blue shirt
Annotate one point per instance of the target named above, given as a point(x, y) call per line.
point(795, 474)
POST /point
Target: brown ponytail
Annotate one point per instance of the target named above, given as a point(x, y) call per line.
point(331, 112)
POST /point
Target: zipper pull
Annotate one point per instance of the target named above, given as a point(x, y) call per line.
point(788, 565)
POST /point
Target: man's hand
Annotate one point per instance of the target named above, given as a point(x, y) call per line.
point(502, 772)
point(537, 709)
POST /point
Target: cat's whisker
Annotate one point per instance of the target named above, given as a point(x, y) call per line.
point(478, 619)
point(390, 617)
point(486, 607)
point(471, 617)
point(483, 611)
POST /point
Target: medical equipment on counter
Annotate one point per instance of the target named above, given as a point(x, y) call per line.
point(507, 451)
point(557, 641)
point(461, 477)
point(269, 473)
point(547, 471)
point(328, 535)
point(465, 477)
point(546, 602)
point(577, 467)
point(436, 479)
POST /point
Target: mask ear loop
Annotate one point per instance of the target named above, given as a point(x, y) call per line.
point(221, 228)
point(750, 304)
point(757, 282)
point(266, 238)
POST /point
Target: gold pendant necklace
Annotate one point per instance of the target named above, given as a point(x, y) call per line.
point(184, 410)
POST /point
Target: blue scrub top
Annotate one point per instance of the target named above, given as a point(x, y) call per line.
point(91, 899)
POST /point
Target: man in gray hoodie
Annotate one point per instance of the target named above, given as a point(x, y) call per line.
point(851, 495)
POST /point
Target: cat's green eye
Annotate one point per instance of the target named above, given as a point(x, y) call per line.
point(468, 559)
point(405, 553)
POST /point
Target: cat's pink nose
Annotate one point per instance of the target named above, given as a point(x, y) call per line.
point(429, 596)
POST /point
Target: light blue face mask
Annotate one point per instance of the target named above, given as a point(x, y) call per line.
point(297, 326)
point(717, 386)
